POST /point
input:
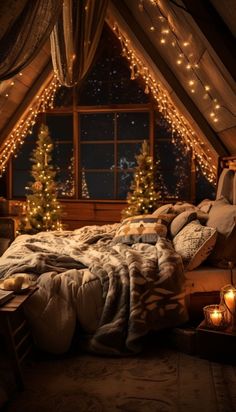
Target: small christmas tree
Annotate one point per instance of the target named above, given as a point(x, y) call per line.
point(43, 211)
point(143, 197)
point(85, 192)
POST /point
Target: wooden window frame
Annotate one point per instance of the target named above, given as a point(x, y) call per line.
point(75, 111)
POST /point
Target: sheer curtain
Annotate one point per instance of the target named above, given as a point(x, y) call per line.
point(25, 25)
point(75, 38)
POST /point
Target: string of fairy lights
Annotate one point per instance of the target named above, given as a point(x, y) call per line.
point(177, 122)
point(185, 59)
point(139, 68)
point(23, 128)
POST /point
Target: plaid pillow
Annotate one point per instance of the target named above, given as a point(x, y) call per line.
point(142, 228)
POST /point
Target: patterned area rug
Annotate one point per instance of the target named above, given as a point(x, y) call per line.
point(158, 380)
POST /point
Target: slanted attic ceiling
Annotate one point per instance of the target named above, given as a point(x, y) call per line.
point(199, 33)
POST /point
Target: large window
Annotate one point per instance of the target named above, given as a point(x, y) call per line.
point(107, 153)
point(97, 130)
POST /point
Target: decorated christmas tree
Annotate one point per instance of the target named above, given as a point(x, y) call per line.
point(143, 197)
point(43, 211)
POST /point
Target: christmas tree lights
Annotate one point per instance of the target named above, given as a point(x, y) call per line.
point(43, 211)
point(143, 197)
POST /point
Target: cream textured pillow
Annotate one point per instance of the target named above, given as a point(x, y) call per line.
point(194, 243)
point(142, 228)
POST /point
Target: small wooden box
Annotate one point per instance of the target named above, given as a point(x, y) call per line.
point(218, 345)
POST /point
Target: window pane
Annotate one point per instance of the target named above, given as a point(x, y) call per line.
point(204, 189)
point(62, 155)
point(124, 182)
point(65, 182)
point(97, 156)
point(165, 152)
point(63, 162)
point(162, 129)
point(60, 127)
point(100, 185)
point(108, 81)
point(63, 97)
point(125, 92)
point(22, 161)
point(174, 170)
point(99, 92)
point(127, 153)
point(133, 126)
point(99, 126)
point(19, 181)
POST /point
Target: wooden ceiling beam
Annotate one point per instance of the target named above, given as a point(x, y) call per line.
point(170, 77)
point(33, 91)
point(215, 31)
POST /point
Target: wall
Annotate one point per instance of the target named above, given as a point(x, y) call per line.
point(76, 214)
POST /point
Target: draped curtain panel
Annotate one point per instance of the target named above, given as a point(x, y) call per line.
point(75, 38)
point(25, 25)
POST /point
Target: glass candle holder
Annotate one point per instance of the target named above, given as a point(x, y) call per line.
point(215, 316)
point(228, 299)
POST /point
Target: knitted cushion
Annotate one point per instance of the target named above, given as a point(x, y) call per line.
point(194, 243)
point(142, 228)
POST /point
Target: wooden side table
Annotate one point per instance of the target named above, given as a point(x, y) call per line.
point(216, 344)
point(14, 328)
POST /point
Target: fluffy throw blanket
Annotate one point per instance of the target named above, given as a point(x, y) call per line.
point(141, 286)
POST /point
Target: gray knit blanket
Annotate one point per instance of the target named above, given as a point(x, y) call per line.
point(142, 285)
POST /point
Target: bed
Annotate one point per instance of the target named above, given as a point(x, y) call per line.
point(109, 293)
point(110, 285)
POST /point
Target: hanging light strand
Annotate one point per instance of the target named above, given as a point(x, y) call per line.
point(175, 119)
point(25, 125)
point(184, 59)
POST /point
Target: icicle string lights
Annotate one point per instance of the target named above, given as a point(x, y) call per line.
point(24, 127)
point(185, 59)
point(166, 107)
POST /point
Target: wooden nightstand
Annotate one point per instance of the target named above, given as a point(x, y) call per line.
point(216, 344)
point(14, 328)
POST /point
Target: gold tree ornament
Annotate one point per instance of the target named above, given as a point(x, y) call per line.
point(143, 197)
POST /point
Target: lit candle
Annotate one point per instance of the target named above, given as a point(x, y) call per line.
point(229, 298)
point(216, 317)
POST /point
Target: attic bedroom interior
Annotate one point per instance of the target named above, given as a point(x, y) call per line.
point(117, 205)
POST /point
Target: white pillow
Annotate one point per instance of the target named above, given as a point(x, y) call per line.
point(194, 243)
